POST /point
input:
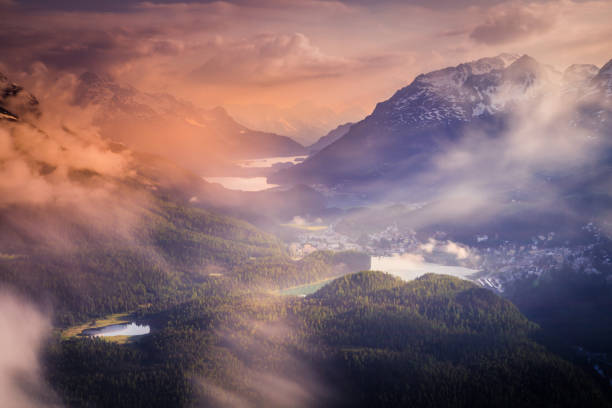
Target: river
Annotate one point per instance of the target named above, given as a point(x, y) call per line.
point(242, 183)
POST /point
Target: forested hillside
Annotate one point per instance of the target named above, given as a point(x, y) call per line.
point(174, 251)
point(366, 339)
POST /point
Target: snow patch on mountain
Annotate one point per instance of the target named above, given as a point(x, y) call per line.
point(576, 78)
point(457, 94)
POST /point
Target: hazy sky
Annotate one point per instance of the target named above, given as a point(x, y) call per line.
point(334, 58)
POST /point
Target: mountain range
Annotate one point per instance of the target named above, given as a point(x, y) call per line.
point(89, 226)
point(329, 138)
point(203, 140)
point(157, 169)
point(98, 230)
point(399, 138)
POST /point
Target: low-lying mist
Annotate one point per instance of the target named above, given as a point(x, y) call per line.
point(543, 160)
point(54, 162)
point(266, 367)
point(23, 331)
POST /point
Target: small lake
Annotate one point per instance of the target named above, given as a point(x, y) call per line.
point(254, 183)
point(408, 269)
point(270, 161)
point(124, 329)
point(242, 183)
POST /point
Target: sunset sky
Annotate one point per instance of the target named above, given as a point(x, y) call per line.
point(304, 60)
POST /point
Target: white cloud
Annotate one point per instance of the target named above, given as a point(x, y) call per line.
point(23, 330)
point(268, 59)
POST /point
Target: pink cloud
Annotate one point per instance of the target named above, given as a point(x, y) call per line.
point(517, 21)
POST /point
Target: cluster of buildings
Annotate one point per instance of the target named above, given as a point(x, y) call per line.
point(326, 239)
point(509, 262)
point(384, 243)
point(500, 262)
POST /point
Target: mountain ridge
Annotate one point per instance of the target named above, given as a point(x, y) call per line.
point(201, 139)
point(434, 110)
point(329, 138)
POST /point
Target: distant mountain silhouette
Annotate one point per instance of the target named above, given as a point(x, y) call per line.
point(197, 138)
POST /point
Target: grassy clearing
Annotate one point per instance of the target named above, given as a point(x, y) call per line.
point(121, 339)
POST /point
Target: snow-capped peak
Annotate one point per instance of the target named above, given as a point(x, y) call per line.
point(472, 89)
point(486, 65)
point(508, 58)
point(580, 73)
point(576, 78)
point(524, 70)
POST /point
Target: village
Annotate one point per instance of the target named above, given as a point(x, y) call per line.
point(498, 263)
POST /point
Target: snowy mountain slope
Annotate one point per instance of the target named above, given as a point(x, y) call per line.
point(576, 78)
point(437, 108)
point(594, 100)
point(603, 80)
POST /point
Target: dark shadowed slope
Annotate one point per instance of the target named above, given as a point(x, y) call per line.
point(329, 138)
